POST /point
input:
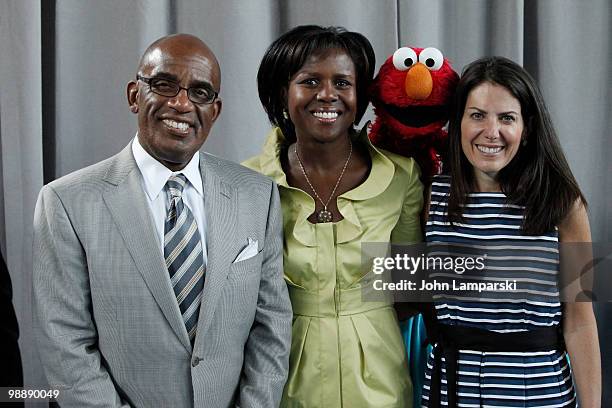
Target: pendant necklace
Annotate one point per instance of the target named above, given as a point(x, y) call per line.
point(324, 215)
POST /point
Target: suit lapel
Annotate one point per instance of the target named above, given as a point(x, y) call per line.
point(220, 203)
point(130, 211)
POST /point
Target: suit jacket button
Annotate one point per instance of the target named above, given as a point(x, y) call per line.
point(196, 361)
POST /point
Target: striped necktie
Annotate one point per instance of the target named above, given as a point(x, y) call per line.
point(183, 254)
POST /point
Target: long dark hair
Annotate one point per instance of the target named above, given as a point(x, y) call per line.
point(538, 177)
point(289, 52)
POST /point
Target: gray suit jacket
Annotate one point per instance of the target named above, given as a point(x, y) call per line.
point(107, 322)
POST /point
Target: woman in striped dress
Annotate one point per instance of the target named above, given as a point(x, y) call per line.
point(511, 196)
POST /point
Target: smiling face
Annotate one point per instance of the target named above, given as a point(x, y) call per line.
point(491, 131)
point(322, 97)
point(412, 91)
point(172, 129)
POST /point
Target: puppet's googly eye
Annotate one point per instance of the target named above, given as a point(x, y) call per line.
point(404, 58)
point(432, 58)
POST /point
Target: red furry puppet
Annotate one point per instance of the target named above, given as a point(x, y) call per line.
point(411, 96)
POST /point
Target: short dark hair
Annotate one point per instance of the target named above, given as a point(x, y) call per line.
point(538, 177)
point(289, 52)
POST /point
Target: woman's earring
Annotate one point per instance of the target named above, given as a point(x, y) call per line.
point(524, 142)
point(285, 114)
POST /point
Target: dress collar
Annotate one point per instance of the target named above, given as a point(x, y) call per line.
point(378, 180)
point(350, 227)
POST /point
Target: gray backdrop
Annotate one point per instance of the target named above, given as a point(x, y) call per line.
point(64, 65)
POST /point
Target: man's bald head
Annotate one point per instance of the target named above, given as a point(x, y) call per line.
point(179, 46)
point(176, 98)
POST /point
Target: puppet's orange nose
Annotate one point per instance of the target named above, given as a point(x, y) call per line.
point(418, 82)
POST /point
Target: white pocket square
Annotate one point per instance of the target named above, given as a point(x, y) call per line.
point(248, 252)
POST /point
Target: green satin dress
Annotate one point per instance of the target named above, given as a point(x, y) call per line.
point(344, 352)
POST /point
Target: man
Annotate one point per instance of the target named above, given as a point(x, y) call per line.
point(11, 373)
point(158, 272)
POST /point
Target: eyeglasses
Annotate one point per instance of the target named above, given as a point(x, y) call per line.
point(165, 87)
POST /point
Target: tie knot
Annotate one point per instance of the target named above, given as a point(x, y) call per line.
point(176, 184)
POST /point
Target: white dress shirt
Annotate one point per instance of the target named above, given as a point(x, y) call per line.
point(154, 178)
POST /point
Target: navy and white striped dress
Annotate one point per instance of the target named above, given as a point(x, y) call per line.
point(508, 379)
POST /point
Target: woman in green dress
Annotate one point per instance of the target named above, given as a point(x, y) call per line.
point(337, 191)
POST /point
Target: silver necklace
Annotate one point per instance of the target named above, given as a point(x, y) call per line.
point(324, 215)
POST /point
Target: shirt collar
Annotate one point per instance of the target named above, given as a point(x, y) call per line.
point(156, 175)
point(381, 173)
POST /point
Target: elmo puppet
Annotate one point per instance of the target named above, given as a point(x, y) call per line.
point(411, 96)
